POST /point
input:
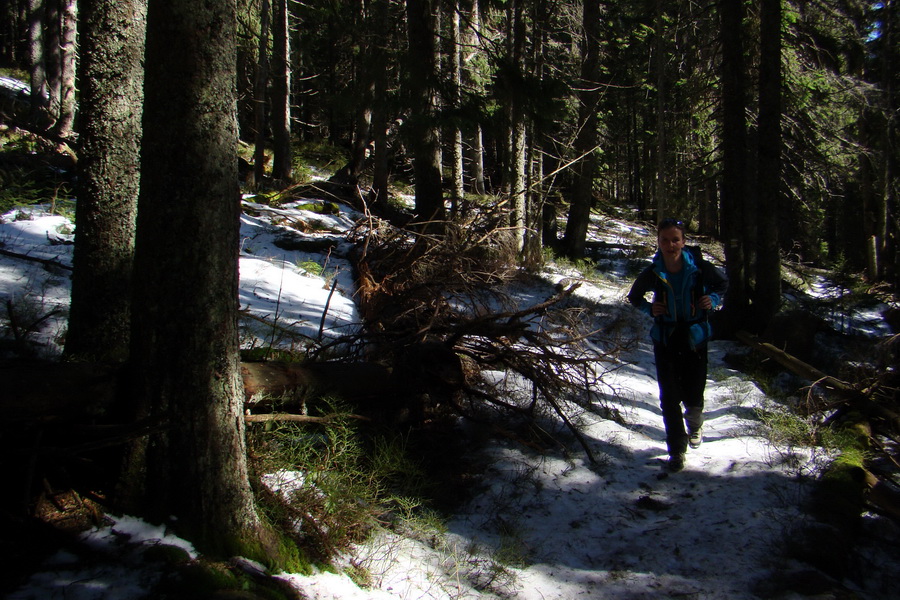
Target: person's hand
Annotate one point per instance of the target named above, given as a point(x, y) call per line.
point(705, 302)
point(658, 308)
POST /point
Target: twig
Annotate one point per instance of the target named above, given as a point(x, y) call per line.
point(325, 310)
point(269, 417)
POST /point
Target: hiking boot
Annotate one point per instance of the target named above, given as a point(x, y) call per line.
point(696, 438)
point(676, 463)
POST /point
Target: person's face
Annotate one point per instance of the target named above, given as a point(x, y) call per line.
point(671, 242)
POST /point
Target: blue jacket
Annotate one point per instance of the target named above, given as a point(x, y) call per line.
point(699, 278)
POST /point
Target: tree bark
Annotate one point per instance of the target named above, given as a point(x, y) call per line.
point(260, 89)
point(661, 187)
point(36, 64)
point(472, 36)
point(734, 149)
point(52, 64)
point(381, 115)
point(515, 166)
point(112, 75)
point(586, 141)
point(767, 299)
point(364, 84)
point(454, 50)
point(69, 54)
point(424, 131)
point(282, 158)
point(184, 368)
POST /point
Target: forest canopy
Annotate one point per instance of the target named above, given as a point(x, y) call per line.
point(533, 100)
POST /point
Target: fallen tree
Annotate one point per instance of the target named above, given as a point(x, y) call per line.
point(39, 391)
point(866, 412)
point(445, 310)
point(874, 399)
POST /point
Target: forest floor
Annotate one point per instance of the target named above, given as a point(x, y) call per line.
point(530, 523)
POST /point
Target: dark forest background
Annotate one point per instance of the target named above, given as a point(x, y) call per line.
point(667, 108)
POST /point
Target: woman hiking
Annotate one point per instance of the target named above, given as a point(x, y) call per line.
point(685, 289)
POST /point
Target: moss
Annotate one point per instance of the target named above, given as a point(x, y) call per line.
point(167, 554)
point(322, 208)
point(840, 497)
point(208, 579)
point(273, 549)
point(199, 579)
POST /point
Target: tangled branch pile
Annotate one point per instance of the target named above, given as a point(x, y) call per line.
point(450, 315)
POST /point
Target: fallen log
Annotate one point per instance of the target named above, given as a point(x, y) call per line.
point(35, 390)
point(848, 485)
point(795, 365)
point(351, 381)
point(270, 417)
point(884, 417)
point(880, 494)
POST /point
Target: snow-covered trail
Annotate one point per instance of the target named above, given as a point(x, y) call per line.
point(565, 528)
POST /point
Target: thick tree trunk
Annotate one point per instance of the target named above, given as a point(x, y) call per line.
point(260, 88)
point(68, 53)
point(282, 155)
point(516, 158)
point(454, 51)
point(767, 299)
point(471, 36)
point(52, 63)
point(381, 116)
point(36, 63)
point(424, 131)
point(518, 186)
point(362, 131)
point(382, 148)
point(586, 141)
point(661, 181)
point(184, 367)
point(112, 75)
point(734, 149)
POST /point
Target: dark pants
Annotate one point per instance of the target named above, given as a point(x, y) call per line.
point(681, 374)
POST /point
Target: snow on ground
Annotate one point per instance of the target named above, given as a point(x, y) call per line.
point(539, 526)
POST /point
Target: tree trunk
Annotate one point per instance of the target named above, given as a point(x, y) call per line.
point(52, 64)
point(424, 130)
point(768, 267)
point(282, 157)
point(456, 162)
point(471, 42)
point(36, 63)
point(364, 76)
point(69, 64)
point(382, 148)
point(586, 141)
point(661, 187)
point(362, 132)
point(886, 223)
point(734, 149)
point(112, 77)
point(184, 367)
point(259, 96)
point(515, 163)
point(381, 116)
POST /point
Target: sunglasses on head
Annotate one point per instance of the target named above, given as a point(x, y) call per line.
point(666, 223)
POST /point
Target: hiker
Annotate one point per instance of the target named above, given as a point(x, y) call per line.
point(685, 287)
